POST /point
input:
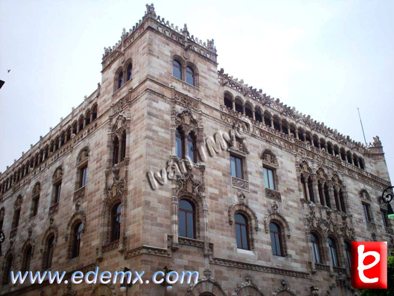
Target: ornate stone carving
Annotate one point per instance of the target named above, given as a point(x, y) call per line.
point(284, 289)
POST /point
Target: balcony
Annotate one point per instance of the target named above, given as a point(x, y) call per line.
point(272, 194)
point(240, 183)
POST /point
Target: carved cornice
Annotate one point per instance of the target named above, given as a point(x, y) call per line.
point(260, 268)
point(305, 151)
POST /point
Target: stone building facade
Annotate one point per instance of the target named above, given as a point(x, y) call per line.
point(172, 163)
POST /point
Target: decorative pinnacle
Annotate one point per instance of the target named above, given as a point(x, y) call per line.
point(150, 10)
point(185, 31)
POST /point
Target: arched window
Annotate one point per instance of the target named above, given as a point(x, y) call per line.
point(301, 134)
point(177, 69)
point(333, 252)
point(228, 100)
point(276, 239)
point(277, 123)
point(123, 146)
point(267, 118)
point(129, 71)
point(179, 143)
point(186, 219)
point(116, 212)
point(191, 147)
point(48, 252)
point(241, 231)
point(27, 255)
point(190, 76)
point(76, 239)
point(120, 79)
point(349, 157)
point(248, 110)
point(239, 105)
point(258, 115)
point(115, 150)
point(7, 269)
point(315, 248)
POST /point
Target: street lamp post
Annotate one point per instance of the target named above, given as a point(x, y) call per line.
point(387, 197)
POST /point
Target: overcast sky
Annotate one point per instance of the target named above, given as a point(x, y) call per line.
point(326, 58)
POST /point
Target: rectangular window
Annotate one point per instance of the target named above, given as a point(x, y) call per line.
point(385, 218)
point(269, 181)
point(367, 212)
point(236, 167)
point(83, 176)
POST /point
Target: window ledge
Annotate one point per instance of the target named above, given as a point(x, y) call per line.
point(79, 193)
point(186, 241)
point(245, 252)
point(185, 83)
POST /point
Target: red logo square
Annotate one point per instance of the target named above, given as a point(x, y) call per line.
point(369, 265)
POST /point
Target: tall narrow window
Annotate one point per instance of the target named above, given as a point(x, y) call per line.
point(269, 180)
point(34, 205)
point(179, 139)
point(115, 222)
point(57, 185)
point(327, 195)
point(336, 198)
point(310, 189)
point(7, 269)
point(115, 150)
point(177, 69)
point(120, 79)
point(48, 252)
point(315, 248)
point(76, 239)
point(129, 71)
point(241, 231)
point(191, 147)
point(367, 212)
point(26, 260)
point(276, 239)
point(304, 187)
point(186, 219)
point(385, 220)
point(15, 219)
point(83, 176)
point(342, 201)
point(123, 146)
point(57, 189)
point(321, 194)
point(333, 252)
point(190, 76)
point(236, 167)
point(348, 255)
